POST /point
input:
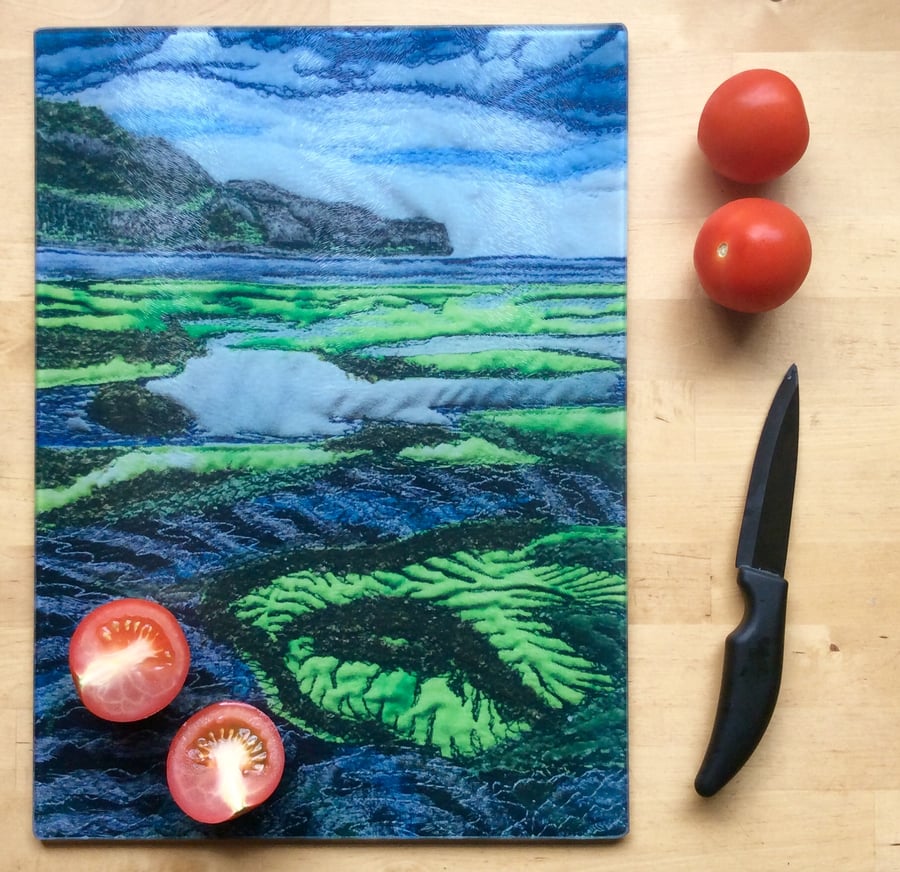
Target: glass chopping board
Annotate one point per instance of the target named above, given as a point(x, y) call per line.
point(331, 363)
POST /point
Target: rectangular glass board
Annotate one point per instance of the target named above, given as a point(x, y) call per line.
point(331, 363)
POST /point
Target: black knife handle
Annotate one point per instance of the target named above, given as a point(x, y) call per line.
point(751, 678)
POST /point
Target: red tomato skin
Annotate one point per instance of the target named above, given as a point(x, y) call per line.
point(754, 127)
point(194, 786)
point(147, 689)
point(752, 254)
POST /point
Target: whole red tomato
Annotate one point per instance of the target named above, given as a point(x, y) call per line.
point(752, 254)
point(754, 127)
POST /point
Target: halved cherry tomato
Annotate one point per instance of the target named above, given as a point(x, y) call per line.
point(129, 659)
point(225, 760)
point(754, 127)
point(752, 254)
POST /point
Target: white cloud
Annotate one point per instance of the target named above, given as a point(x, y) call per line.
point(198, 46)
point(240, 62)
point(485, 214)
point(501, 182)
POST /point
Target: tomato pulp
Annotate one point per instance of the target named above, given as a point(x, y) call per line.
point(226, 759)
point(752, 254)
point(129, 659)
point(754, 126)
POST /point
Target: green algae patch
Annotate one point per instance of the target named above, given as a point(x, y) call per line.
point(115, 370)
point(457, 317)
point(109, 323)
point(592, 290)
point(583, 437)
point(552, 428)
point(194, 460)
point(589, 422)
point(585, 310)
point(469, 452)
point(459, 653)
point(357, 317)
point(261, 342)
point(513, 362)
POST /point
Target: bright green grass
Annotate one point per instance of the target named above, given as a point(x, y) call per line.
point(352, 319)
point(585, 310)
point(498, 595)
point(576, 291)
point(469, 452)
point(525, 362)
point(219, 326)
point(115, 370)
point(395, 309)
point(195, 459)
point(111, 323)
point(587, 422)
point(454, 319)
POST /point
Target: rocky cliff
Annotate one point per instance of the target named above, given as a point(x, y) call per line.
point(99, 185)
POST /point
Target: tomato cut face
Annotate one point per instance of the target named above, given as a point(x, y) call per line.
point(129, 659)
point(225, 760)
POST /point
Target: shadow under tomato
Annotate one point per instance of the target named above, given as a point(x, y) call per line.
point(737, 328)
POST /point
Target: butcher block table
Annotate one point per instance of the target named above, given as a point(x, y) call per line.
point(822, 791)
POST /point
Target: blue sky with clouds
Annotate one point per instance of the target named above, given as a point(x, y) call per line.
point(515, 138)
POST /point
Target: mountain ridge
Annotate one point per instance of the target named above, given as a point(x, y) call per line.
point(100, 186)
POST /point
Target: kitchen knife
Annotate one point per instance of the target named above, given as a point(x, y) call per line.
point(754, 650)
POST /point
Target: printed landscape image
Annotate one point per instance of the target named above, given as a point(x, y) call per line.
point(331, 363)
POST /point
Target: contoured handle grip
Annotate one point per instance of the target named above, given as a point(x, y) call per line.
point(751, 679)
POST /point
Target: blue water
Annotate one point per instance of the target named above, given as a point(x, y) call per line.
point(62, 418)
point(100, 781)
point(74, 264)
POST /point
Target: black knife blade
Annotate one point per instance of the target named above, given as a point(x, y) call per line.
point(754, 650)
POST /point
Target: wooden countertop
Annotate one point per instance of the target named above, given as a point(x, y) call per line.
point(822, 791)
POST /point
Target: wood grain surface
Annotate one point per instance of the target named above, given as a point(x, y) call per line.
point(822, 791)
